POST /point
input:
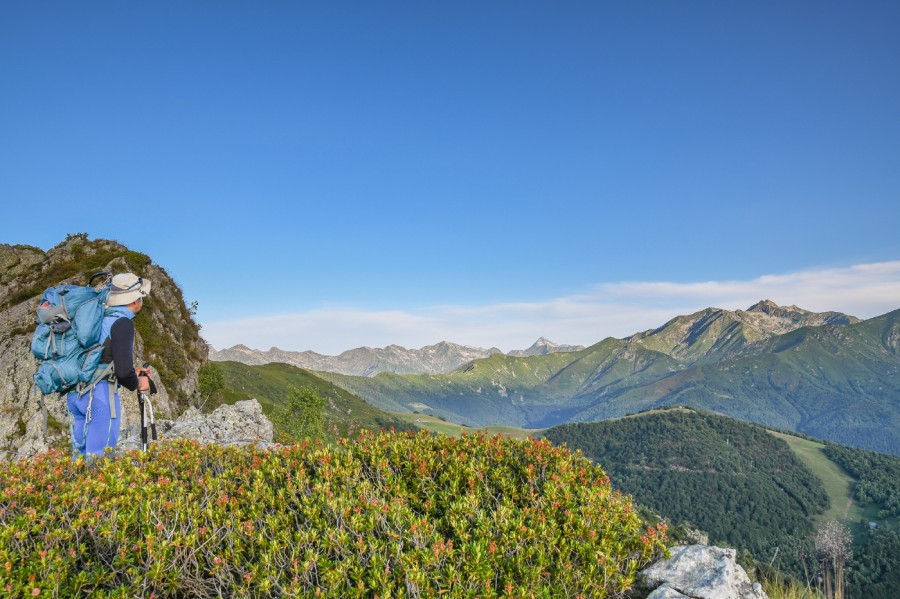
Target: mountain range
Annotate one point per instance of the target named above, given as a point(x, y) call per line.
point(826, 374)
point(366, 361)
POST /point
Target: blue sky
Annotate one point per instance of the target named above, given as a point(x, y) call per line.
point(330, 175)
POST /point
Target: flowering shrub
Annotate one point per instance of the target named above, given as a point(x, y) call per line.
point(386, 515)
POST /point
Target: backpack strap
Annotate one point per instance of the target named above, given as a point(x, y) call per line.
point(99, 375)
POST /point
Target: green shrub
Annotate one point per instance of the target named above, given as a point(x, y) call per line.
point(210, 381)
point(23, 330)
point(387, 515)
point(301, 417)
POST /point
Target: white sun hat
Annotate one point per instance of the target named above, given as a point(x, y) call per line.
point(126, 288)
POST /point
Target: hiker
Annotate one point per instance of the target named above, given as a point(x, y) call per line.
point(95, 426)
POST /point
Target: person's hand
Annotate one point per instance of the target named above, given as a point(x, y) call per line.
point(144, 380)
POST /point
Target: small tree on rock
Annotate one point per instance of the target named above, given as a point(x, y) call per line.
point(302, 416)
point(211, 380)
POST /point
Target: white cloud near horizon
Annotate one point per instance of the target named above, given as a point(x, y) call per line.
point(604, 310)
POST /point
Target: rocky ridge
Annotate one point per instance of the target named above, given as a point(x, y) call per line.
point(715, 333)
point(166, 336)
point(366, 361)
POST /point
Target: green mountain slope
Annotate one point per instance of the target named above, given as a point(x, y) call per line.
point(345, 414)
point(496, 390)
point(824, 374)
point(840, 383)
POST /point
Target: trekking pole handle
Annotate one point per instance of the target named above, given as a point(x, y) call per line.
point(146, 371)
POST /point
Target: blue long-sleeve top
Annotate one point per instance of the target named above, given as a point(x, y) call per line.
point(118, 345)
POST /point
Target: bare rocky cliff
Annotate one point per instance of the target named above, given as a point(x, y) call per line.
point(167, 337)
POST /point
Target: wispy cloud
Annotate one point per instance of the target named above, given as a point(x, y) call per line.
point(604, 310)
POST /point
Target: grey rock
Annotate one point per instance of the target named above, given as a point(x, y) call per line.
point(240, 424)
point(666, 592)
point(695, 536)
point(699, 572)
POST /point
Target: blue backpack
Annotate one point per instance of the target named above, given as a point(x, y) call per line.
point(67, 339)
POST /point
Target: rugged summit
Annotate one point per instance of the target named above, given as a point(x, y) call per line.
point(167, 336)
point(366, 361)
point(714, 333)
point(542, 347)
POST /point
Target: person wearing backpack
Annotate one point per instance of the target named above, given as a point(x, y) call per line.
point(95, 413)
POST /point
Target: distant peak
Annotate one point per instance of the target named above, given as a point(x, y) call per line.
point(766, 306)
point(240, 347)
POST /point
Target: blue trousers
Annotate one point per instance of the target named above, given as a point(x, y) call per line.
point(92, 428)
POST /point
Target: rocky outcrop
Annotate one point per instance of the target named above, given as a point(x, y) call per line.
point(167, 337)
point(240, 424)
point(699, 572)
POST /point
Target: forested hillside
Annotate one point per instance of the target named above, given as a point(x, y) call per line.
point(877, 475)
point(733, 480)
point(875, 567)
point(749, 490)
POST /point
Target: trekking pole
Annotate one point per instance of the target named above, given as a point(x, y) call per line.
point(146, 407)
point(141, 402)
